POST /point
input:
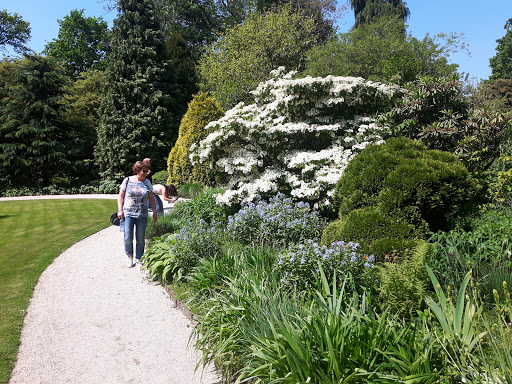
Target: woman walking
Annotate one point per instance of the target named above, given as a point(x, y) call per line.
point(132, 204)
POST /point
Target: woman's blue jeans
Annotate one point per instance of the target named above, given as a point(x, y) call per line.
point(138, 225)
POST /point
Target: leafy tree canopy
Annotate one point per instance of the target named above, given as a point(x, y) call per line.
point(380, 51)
point(14, 31)
point(82, 43)
point(501, 63)
point(234, 66)
point(323, 12)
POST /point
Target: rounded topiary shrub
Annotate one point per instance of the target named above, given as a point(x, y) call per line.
point(160, 177)
point(376, 232)
point(425, 188)
point(201, 111)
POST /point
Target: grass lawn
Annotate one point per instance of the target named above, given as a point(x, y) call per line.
point(32, 234)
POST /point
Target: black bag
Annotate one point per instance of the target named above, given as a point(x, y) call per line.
point(114, 219)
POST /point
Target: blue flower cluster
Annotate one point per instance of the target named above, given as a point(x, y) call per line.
point(300, 265)
point(278, 222)
point(195, 241)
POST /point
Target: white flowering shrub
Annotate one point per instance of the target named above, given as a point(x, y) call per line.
point(297, 137)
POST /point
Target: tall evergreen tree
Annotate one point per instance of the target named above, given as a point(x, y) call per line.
point(34, 139)
point(139, 114)
point(376, 9)
point(367, 11)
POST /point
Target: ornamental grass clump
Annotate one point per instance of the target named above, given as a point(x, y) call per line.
point(275, 223)
point(297, 137)
point(299, 266)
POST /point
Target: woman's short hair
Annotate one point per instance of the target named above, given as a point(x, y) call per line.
point(138, 166)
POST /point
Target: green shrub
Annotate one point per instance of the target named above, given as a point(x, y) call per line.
point(183, 209)
point(160, 261)
point(404, 281)
point(483, 244)
point(191, 190)
point(205, 208)
point(195, 241)
point(379, 234)
point(201, 111)
point(500, 188)
point(165, 224)
point(108, 186)
point(276, 223)
point(425, 188)
point(160, 177)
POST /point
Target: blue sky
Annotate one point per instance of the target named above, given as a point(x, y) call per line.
point(480, 22)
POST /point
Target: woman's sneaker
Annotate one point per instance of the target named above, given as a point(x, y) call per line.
point(130, 261)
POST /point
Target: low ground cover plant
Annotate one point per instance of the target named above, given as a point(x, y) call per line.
point(481, 243)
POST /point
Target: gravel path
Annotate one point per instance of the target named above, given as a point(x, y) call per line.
point(92, 320)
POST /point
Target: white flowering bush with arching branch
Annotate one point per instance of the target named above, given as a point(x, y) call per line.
point(296, 138)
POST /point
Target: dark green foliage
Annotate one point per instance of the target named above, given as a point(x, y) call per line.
point(140, 110)
point(495, 95)
point(201, 110)
point(380, 51)
point(84, 96)
point(425, 188)
point(436, 112)
point(160, 177)
point(191, 190)
point(184, 67)
point(206, 209)
point(14, 31)
point(482, 243)
point(501, 63)
point(201, 22)
point(36, 144)
point(165, 225)
point(425, 103)
point(375, 9)
point(82, 43)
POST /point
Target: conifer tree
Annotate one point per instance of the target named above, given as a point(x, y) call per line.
point(201, 111)
point(139, 114)
point(35, 142)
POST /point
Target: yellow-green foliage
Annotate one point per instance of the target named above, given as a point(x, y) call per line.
point(201, 110)
point(501, 189)
point(377, 233)
point(332, 232)
point(403, 282)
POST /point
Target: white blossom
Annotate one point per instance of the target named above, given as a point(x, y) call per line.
point(299, 134)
